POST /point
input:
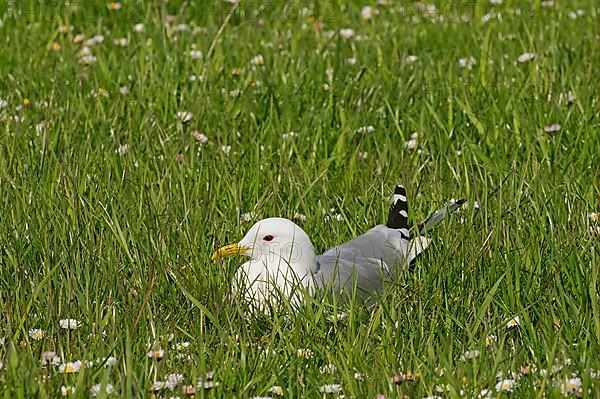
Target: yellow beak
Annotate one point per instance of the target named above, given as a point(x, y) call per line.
point(229, 250)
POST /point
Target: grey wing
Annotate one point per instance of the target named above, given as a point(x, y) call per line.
point(342, 274)
point(368, 258)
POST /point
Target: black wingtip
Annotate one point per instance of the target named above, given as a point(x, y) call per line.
point(398, 215)
point(400, 190)
point(460, 202)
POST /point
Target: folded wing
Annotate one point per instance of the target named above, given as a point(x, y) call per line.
point(368, 258)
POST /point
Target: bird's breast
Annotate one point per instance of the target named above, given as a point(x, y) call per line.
point(259, 282)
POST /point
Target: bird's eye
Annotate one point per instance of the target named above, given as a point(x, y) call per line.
point(268, 238)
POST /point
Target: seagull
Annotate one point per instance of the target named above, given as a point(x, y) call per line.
point(283, 263)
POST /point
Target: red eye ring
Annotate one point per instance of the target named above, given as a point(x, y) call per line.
point(268, 238)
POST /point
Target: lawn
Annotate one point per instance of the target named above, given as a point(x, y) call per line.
point(136, 137)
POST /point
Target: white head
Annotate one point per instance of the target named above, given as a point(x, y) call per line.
point(275, 241)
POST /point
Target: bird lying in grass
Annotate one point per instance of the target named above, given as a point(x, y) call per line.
point(283, 262)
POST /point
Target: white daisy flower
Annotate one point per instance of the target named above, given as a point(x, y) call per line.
point(85, 51)
point(96, 390)
point(467, 62)
point(181, 346)
point(157, 386)
point(196, 54)
point(330, 388)
point(172, 380)
point(70, 367)
point(123, 149)
point(490, 340)
point(472, 354)
point(288, 135)
point(94, 40)
point(99, 92)
point(299, 217)
point(412, 143)
point(181, 28)
point(365, 129)
point(555, 127)
point(346, 33)
point(410, 59)
point(185, 116)
point(199, 137)
point(48, 356)
point(527, 369)
point(79, 38)
point(65, 29)
point(488, 17)
point(304, 353)
point(36, 334)
point(66, 390)
point(188, 390)
point(556, 368)
point(247, 217)
point(276, 390)
point(367, 13)
point(121, 42)
point(514, 322)
point(571, 386)
point(526, 57)
point(157, 354)
point(110, 361)
point(69, 324)
point(138, 27)
point(485, 394)
point(328, 369)
point(506, 385)
point(226, 149)
point(114, 5)
point(358, 376)
point(88, 59)
point(257, 60)
point(201, 384)
point(441, 388)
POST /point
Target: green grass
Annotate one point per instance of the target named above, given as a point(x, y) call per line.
point(123, 242)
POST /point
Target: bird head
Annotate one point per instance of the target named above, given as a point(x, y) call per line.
point(272, 240)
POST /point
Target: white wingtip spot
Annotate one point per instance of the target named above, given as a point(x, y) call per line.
point(403, 213)
point(418, 245)
point(399, 197)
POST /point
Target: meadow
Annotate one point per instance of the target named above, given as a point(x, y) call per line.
point(136, 137)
